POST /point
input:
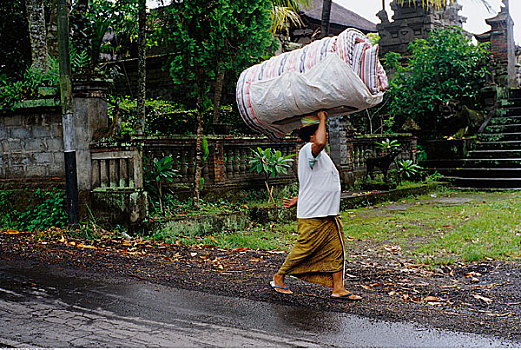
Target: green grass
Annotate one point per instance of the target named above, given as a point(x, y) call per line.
point(443, 229)
point(434, 232)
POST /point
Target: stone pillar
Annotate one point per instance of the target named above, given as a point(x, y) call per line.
point(217, 163)
point(341, 147)
point(502, 45)
point(90, 115)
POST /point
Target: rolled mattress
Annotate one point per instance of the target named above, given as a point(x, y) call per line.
point(339, 74)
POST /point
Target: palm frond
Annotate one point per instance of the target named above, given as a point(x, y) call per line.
point(282, 16)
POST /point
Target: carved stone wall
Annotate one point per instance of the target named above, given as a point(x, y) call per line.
point(412, 22)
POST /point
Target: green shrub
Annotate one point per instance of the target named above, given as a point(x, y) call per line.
point(49, 212)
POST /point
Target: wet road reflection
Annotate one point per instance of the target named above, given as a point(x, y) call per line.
point(39, 308)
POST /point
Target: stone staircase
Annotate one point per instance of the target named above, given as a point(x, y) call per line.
point(493, 159)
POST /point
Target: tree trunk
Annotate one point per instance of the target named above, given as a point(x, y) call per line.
point(142, 51)
point(219, 84)
point(198, 154)
point(37, 33)
point(326, 14)
point(52, 29)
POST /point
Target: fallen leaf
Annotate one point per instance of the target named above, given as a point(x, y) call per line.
point(482, 298)
point(393, 248)
point(254, 259)
point(209, 246)
point(213, 239)
point(242, 249)
point(471, 274)
point(193, 254)
point(430, 299)
point(12, 232)
point(502, 315)
point(87, 246)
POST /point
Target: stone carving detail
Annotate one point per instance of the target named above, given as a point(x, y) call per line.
point(411, 22)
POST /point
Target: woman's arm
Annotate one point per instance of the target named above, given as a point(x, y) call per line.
point(320, 136)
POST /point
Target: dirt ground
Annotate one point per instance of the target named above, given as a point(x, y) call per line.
point(482, 298)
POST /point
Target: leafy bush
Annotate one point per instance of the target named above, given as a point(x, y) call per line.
point(157, 173)
point(167, 117)
point(271, 164)
point(12, 91)
point(445, 66)
point(49, 212)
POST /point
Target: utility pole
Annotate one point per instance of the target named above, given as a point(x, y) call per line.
point(71, 179)
point(142, 56)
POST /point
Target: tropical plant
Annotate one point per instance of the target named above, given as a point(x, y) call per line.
point(284, 12)
point(407, 169)
point(270, 164)
point(387, 144)
point(158, 172)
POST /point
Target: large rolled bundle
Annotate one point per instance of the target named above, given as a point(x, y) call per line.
point(339, 74)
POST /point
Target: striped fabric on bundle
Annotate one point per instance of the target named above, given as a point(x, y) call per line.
point(351, 46)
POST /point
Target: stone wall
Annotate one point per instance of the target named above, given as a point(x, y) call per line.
point(31, 147)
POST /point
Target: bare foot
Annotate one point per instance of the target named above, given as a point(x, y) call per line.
point(279, 285)
point(345, 296)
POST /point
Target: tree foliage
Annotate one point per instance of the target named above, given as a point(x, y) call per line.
point(445, 66)
point(15, 48)
point(210, 35)
point(207, 33)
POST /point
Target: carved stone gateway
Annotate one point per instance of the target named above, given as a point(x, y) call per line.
point(502, 46)
point(412, 22)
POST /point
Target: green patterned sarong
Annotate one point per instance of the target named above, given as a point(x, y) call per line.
point(318, 252)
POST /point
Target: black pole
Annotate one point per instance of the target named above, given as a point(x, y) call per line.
point(71, 178)
point(326, 14)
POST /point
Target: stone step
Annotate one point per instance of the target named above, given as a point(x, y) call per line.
point(504, 128)
point(499, 173)
point(502, 120)
point(514, 93)
point(492, 163)
point(496, 145)
point(473, 163)
point(511, 102)
point(508, 111)
point(494, 153)
point(485, 189)
point(505, 136)
point(482, 182)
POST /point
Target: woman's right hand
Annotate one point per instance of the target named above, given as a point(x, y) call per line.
point(289, 202)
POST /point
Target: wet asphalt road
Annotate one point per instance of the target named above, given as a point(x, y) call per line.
point(40, 309)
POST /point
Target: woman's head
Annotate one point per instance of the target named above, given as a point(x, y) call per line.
point(306, 132)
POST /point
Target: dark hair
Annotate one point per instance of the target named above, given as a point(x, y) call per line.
point(306, 132)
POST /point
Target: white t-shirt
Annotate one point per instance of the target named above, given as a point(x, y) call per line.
point(319, 185)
